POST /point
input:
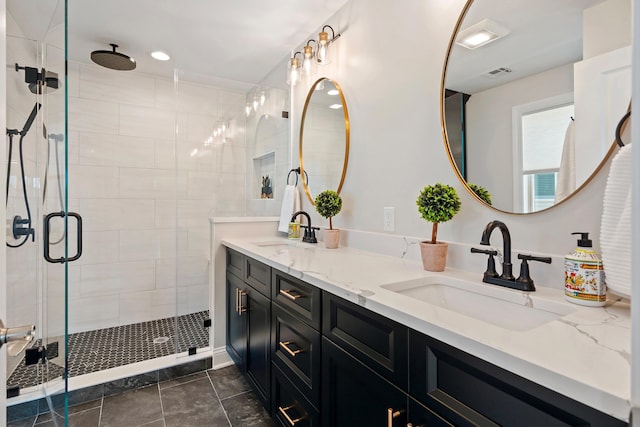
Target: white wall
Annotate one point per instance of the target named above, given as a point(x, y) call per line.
point(129, 177)
point(391, 77)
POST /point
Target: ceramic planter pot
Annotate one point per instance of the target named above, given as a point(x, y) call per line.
point(434, 255)
point(331, 238)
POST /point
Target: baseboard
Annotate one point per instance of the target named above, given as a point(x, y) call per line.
point(221, 358)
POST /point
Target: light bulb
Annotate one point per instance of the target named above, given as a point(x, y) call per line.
point(247, 110)
point(255, 104)
point(323, 48)
point(307, 62)
point(263, 98)
point(293, 73)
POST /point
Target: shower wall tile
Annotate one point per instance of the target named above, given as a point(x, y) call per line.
point(147, 122)
point(99, 247)
point(117, 214)
point(151, 305)
point(97, 182)
point(115, 150)
point(73, 79)
point(87, 314)
point(165, 153)
point(197, 299)
point(73, 147)
point(136, 245)
point(112, 279)
point(199, 185)
point(189, 271)
point(165, 216)
point(198, 242)
point(124, 88)
point(195, 213)
point(88, 115)
point(151, 183)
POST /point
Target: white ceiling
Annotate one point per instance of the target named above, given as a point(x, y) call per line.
point(544, 34)
point(240, 40)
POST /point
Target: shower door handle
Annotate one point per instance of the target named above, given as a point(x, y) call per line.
point(47, 220)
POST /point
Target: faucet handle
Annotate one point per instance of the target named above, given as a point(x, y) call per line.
point(524, 278)
point(525, 257)
point(491, 262)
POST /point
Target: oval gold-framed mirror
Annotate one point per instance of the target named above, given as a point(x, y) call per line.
point(324, 139)
point(530, 105)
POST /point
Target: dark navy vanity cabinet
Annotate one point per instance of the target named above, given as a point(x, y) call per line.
point(315, 359)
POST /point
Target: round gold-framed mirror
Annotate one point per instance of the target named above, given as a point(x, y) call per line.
point(324, 139)
point(531, 94)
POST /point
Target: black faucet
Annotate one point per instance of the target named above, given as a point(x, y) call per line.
point(524, 281)
point(507, 273)
point(309, 232)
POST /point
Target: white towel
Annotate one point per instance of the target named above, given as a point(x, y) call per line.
point(567, 173)
point(615, 229)
point(290, 204)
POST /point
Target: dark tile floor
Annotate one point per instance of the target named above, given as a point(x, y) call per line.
point(212, 398)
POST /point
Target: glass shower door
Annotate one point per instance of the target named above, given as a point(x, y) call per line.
point(38, 227)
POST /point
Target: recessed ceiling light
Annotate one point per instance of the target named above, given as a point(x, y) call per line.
point(160, 56)
point(335, 106)
point(485, 31)
point(333, 92)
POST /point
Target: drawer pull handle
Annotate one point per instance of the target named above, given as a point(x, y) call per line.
point(291, 421)
point(391, 415)
point(285, 346)
point(237, 301)
point(289, 294)
point(241, 309)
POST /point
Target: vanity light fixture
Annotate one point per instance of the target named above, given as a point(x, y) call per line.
point(480, 34)
point(322, 56)
point(308, 59)
point(293, 72)
point(160, 56)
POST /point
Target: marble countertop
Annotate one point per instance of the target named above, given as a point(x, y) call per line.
point(584, 354)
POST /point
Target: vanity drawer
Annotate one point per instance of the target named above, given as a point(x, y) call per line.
point(295, 349)
point(258, 275)
point(375, 340)
point(297, 297)
point(235, 262)
point(290, 407)
point(469, 391)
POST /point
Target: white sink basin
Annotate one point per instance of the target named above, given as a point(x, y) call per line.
point(503, 307)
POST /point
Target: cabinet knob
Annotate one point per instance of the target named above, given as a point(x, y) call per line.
point(285, 347)
point(290, 420)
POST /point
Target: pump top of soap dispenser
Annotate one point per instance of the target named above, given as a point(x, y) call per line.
point(584, 241)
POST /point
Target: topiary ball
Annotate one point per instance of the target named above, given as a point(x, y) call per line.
point(438, 203)
point(328, 203)
point(481, 192)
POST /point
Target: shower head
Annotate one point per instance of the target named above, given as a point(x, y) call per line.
point(113, 60)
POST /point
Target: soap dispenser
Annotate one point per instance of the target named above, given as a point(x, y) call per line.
point(584, 281)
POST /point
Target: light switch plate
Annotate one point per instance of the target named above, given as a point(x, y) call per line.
point(389, 219)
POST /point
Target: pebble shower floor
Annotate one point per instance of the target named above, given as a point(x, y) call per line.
point(101, 349)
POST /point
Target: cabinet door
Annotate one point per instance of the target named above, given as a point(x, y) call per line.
point(258, 361)
point(377, 341)
point(354, 395)
point(236, 322)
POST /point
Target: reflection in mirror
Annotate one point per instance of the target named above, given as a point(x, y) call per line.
point(324, 139)
point(531, 103)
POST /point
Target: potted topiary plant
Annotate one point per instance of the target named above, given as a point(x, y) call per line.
point(328, 204)
point(436, 203)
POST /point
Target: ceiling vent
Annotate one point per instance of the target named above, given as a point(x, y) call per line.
point(497, 73)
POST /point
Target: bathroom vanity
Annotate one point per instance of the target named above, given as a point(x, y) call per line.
point(346, 337)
